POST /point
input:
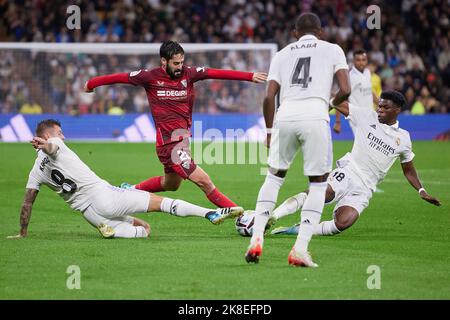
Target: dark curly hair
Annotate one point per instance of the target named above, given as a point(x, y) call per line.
point(396, 97)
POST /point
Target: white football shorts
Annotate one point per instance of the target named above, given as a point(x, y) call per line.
point(112, 206)
point(314, 139)
point(349, 189)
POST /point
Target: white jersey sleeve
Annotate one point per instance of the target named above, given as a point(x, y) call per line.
point(407, 155)
point(340, 61)
point(57, 141)
point(274, 69)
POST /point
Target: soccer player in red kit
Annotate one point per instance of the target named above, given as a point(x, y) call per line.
point(170, 93)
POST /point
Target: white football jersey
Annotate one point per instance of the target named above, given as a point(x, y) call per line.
point(361, 83)
point(305, 71)
point(65, 174)
point(376, 146)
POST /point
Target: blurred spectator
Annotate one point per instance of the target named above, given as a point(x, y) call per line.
point(225, 102)
point(31, 108)
point(410, 52)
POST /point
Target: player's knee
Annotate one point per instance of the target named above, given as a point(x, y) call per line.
point(205, 183)
point(345, 220)
point(172, 186)
point(329, 195)
point(147, 229)
point(277, 172)
point(318, 179)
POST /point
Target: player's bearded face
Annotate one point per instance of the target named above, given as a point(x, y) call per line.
point(174, 66)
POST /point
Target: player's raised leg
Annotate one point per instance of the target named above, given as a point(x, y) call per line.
point(169, 182)
point(290, 205)
point(204, 182)
point(295, 203)
point(182, 208)
point(344, 218)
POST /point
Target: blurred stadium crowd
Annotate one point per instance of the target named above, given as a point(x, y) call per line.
point(410, 53)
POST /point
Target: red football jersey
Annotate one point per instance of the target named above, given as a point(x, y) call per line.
point(170, 100)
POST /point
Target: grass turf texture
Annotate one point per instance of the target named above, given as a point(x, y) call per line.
point(189, 258)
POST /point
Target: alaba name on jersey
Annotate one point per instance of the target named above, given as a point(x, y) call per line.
point(361, 83)
point(171, 100)
point(376, 146)
point(305, 70)
point(65, 174)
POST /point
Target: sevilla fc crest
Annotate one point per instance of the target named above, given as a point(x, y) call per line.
point(184, 83)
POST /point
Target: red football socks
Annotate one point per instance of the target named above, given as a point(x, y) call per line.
point(151, 185)
point(220, 200)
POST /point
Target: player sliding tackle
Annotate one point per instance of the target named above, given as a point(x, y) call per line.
point(102, 205)
point(378, 143)
point(170, 93)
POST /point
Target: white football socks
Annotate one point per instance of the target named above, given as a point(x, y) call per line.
point(325, 228)
point(311, 213)
point(126, 230)
point(267, 199)
point(182, 208)
point(290, 206)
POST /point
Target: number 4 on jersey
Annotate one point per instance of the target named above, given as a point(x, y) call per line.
point(301, 72)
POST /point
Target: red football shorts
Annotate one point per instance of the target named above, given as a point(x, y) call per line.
point(176, 158)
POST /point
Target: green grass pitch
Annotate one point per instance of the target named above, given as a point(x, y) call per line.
point(189, 258)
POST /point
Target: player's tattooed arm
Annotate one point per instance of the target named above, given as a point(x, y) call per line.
point(411, 175)
point(25, 212)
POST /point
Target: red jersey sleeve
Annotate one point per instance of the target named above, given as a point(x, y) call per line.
point(107, 79)
point(139, 77)
point(229, 75)
point(197, 73)
point(202, 73)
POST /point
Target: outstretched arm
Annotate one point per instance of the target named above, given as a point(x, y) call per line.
point(341, 108)
point(337, 123)
point(25, 213)
point(106, 79)
point(44, 145)
point(258, 77)
point(343, 81)
point(411, 175)
point(269, 107)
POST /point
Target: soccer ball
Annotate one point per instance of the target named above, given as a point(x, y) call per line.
point(244, 223)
